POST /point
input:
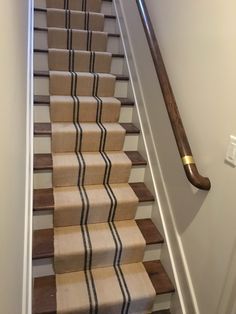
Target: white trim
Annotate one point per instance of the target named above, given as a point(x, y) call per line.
point(171, 236)
point(27, 271)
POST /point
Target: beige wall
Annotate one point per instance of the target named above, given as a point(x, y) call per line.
point(198, 43)
point(13, 61)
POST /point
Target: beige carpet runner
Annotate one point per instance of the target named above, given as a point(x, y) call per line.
point(98, 248)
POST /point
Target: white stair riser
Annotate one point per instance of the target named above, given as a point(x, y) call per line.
point(42, 144)
point(41, 63)
point(43, 179)
point(40, 20)
point(44, 267)
point(41, 87)
point(41, 42)
point(44, 219)
point(42, 114)
point(107, 7)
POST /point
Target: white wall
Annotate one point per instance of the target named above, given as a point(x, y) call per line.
point(13, 102)
point(198, 44)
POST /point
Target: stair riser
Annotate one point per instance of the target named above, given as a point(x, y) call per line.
point(42, 144)
point(40, 20)
point(107, 7)
point(42, 114)
point(41, 87)
point(44, 219)
point(44, 267)
point(41, 42)
point(41, 63)
point(43, 179)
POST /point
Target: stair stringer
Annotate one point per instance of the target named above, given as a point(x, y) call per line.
point(172, 256)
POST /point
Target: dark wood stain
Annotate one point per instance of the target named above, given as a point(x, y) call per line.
point(142, 192)
point(136, 158)
point(159, 278)
point(178, 129)
point(162, 312)
point(43, 199)
point(149, 231)
point(44, 295)
point(43, 243)
point(130, 128)
point(42, 129)
point(43, 162)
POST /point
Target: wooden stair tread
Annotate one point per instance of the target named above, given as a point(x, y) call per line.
point(159, 278)
point(44, 161)
point(136, 158)
point(45, 129)
point(119, 77)
point(45, 289)
point(43, 244)
point(44, 200)
point(149, 231)
point(114, 55)
point(45, 29)
point(142, 191)
point(45, 100)
point(108, 16)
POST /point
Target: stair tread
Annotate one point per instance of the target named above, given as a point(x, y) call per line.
point(149, 231)
point(159, 278)
point(45, 29)
point(142, 191)
point(45, 289)
point(119, 77)
point(108, 16)
point(45, 100)
point(44, 161)
point(114, 55)
point(44, 199)
point(45, 129)
point(162, 312)
point(43, 246)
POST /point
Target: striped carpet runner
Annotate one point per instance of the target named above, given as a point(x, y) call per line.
point(98, 248)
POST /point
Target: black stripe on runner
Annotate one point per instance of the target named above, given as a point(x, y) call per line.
point(87, 22)
point(69, 18)
point(69, 61)
point(73, 60)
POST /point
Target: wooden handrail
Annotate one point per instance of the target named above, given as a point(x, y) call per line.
point(189, 165)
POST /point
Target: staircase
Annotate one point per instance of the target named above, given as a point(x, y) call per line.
point(95, 246)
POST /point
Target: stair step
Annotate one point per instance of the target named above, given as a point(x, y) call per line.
point(45, 100)
point(107, 16)
point(162, 312)
point(114, 55)
point(44, 161)
point(45, 29)
point(119, 77)
point(44, 200)
point(45, 288)
point(43, 240)
point(159, 278)
point(45, 129)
